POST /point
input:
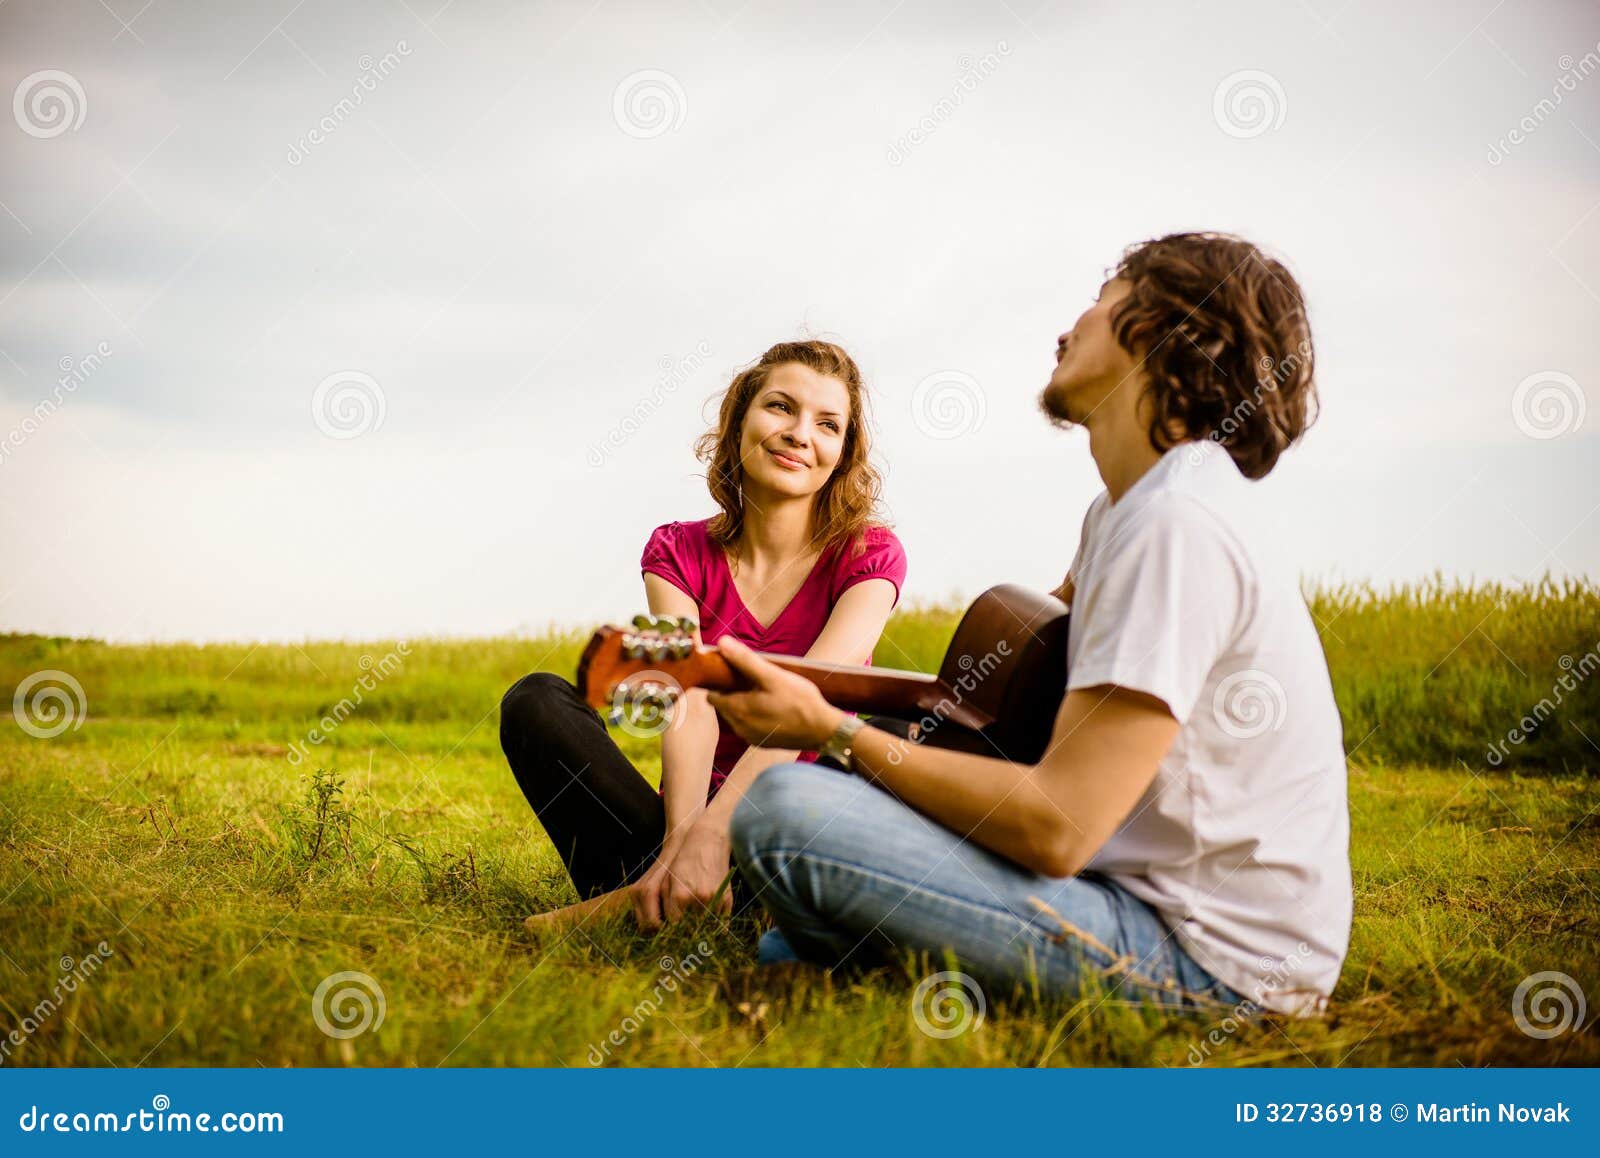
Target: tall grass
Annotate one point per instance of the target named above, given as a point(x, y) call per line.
point(229, 880)
point(1424, 673)
point(1441, 673)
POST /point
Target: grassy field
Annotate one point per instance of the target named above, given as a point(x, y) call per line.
point(181, 873)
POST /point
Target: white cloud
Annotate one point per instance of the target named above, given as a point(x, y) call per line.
point(482, 239)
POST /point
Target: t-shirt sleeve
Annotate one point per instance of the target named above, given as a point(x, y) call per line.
point(669, 554)
point(881, 557)
point(1158, 605)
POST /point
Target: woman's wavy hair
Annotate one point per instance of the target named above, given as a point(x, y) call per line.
point(1225, 341)
point(848, 502)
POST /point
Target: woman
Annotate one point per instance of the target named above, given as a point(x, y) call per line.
point(793, 563)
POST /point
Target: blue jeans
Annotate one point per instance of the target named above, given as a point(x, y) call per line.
point(853, 876)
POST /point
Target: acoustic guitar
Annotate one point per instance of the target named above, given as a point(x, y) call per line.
point(997, 691)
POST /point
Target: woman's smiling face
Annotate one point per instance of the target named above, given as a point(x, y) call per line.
point(794, 430)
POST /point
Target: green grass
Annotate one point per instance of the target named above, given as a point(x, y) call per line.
point(228, 882)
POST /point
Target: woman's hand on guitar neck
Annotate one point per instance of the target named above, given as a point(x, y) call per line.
point(780, 710)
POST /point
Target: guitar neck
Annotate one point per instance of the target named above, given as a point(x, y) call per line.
point(905, 695)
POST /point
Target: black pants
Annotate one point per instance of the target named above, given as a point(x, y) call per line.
point(605, 820)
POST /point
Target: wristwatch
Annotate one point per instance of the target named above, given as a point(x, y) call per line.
point(838, 746)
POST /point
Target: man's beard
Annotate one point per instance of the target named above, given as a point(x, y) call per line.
point(1053, 401)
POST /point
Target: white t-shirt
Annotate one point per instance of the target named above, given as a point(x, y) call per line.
point(1242, 841)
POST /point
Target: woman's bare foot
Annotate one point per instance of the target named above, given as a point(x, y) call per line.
point(560, 920)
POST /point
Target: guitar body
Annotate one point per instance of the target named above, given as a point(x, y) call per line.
point(997, 693)
point(1008, 658)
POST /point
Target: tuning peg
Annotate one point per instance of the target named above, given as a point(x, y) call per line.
point(682, 647)
point(658, 650)
point(643, 621)
point(687, 625)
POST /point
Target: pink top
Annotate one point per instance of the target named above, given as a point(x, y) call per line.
point(685, 555)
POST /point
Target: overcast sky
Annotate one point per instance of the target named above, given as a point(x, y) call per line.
point(399, 318)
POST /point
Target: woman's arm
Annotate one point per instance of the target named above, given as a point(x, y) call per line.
point(700, 863)
point(687, 748)
point(690, 741)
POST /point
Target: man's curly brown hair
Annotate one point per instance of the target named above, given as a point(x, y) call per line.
point(1225, 342)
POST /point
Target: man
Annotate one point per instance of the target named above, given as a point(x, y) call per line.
point(1185, 839)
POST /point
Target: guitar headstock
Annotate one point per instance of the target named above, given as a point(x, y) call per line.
point(635, 674)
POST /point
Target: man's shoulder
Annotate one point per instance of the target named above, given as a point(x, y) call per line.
point(1170, 513)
